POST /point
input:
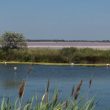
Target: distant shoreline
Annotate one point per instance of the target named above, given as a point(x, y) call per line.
point(55, 64)
point(55, 40)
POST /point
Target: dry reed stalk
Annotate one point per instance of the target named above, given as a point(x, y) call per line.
point(21, 89)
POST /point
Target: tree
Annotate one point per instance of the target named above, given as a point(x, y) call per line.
point(13, 40)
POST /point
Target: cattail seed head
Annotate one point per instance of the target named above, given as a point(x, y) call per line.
point(90, 82)
point(48, 85)
point(72, 91)
point(21, 89)
point(77, 90)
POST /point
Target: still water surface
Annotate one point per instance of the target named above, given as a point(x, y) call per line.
point(62, 77)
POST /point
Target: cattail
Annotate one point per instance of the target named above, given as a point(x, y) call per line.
point(72, 91)
point(48, 85)
point(77, 90)
point(76, 94)
point(21, 89)
point(79, 86)
point(90, 82)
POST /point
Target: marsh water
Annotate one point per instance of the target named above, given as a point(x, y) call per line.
point(61, 77)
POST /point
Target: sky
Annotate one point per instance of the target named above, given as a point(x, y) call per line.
point(57, 19)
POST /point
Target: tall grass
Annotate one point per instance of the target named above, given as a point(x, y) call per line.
point(48, 104)
point(66, 55)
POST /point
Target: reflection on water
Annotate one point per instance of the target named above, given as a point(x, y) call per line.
point(10, 83)
point(96, 81)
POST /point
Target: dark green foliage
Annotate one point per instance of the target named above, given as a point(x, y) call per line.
point(66, 55)
point(12, 40)
point(86, 55)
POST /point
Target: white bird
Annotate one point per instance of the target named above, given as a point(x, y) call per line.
point(15, 68)
point(108, 64)
point(72, 63)
point(5, 63)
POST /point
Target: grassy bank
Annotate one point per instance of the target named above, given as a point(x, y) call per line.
point(57, 64)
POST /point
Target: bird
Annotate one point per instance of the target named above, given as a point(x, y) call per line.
point(15, 68)
point(72, 63)
point(5, 63)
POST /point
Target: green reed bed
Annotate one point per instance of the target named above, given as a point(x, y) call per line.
point(73, 103)
point(64, 56)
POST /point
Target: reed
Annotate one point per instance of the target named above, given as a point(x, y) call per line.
point(90, 83)
point(75, 93)
point(52, 104)
point(21, 89)
point(92, 57)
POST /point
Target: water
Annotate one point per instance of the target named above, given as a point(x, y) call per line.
point(62, 77)
point(60, 45)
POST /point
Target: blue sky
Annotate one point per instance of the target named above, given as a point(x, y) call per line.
point(57, 19)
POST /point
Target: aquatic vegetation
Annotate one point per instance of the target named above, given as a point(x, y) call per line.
point(21, 89)
point(65, 55)
point(48, 104)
